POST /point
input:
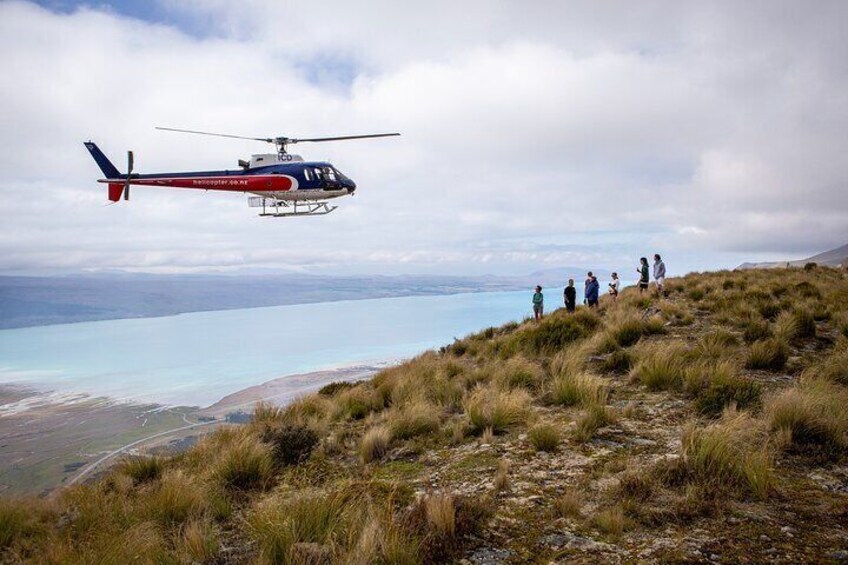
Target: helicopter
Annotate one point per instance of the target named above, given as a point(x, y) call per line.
point(284, 184)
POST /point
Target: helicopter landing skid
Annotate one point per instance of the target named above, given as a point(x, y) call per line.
point(273, 208)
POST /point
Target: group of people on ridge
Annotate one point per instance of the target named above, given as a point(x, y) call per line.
point(591, 287)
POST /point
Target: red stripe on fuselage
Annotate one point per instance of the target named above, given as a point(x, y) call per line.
point(253, 183)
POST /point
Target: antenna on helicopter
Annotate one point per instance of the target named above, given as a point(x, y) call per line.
point(281, 141)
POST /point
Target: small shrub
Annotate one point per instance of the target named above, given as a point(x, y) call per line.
point(806, 323)
point(290, 443)
point(375, 444)
point(770, 354)
point(331, 389)
point(628, 331)
point(489, 407)
point(552, 333)
point(808, 290)
point(768, 309)
point(544, 437)
point(810, 266)
point(695, 294)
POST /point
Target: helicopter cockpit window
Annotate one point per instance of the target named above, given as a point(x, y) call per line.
point(318, 174)
point(329, 173)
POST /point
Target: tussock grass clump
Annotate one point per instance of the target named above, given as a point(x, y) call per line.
point(619, 361)
point(812, 414)
point(141, 468)
point(568, 505)
point(628, 331)
point(676, 315)
point(414, 419)
point(489, 407)
point(755, 330)
point(590, 421)
point(715, 386)
point(518, 372)
point(552, 334)
point(544, 437)
point(281, 522)
point(582, 389)
point(733, 451)
point(313, 411)
point(662, 367)
point(716, 344)
point(834, 367)
point(441, 514)
point(611, 521)
point(501, 480)
point(199, 541)
point(357, 402)
point(769, 354)
point(245, 464)
point(175, 499)
point(375, 444)
point(23, 523)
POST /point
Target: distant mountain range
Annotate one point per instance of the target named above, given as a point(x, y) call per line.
point(39, 301)
point(833, 258)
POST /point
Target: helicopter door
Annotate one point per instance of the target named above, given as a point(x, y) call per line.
point(328, 175)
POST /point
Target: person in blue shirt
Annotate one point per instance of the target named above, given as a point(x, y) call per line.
point(592, 288)
point(538, 303)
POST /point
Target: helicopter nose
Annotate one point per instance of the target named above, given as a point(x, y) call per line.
point(351, 186)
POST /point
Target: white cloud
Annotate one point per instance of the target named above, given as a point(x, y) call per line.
point(707, 132)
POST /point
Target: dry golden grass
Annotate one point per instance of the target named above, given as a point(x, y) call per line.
point(610, 521)
point(414, 419)
point(583, 389)
point(662, 366)
point(501, 480)
point(544, 437)
point(568, 505)
point(441, 514)
point(769, 354)
point(812, 414)
point(199, 541)
point(591, 420)
point(489, 407)
point(375, 443)
point(518, 372)
point(244, 464)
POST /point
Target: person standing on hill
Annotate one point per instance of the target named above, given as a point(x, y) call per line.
point(643, 275)
point(570, 295)
point(659, 274)
point(614, 286)
point(538, 303)
point(592, 288)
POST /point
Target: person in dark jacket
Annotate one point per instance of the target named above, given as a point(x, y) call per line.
point(643, 275)
point(570, 296)
point(592, 288)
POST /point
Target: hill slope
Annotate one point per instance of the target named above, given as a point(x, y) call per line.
point(833, 258)
point(707, 426)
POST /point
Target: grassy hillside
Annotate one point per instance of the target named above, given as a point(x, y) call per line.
point(710, 425)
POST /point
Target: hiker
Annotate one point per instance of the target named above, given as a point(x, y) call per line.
point(570, 296)
point(614, 286)
point(592, 288)
point(643, 275)
point(538, 303)
point(659, 273)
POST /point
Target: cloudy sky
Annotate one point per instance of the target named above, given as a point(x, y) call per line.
point(535, 134)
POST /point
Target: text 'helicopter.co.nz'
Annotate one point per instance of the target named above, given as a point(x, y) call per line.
point(285, 184)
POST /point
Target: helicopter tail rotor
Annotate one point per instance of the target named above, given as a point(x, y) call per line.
point(129, 173)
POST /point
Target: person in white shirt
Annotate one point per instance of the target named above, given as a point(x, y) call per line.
point(614, 286)
point(659, 274)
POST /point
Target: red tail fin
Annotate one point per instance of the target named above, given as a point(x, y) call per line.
point(115, 191)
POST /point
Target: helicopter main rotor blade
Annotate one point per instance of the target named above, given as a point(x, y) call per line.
point(265, 139)
point(343, 137)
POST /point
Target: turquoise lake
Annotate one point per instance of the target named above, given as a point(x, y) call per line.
point(196, 359)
